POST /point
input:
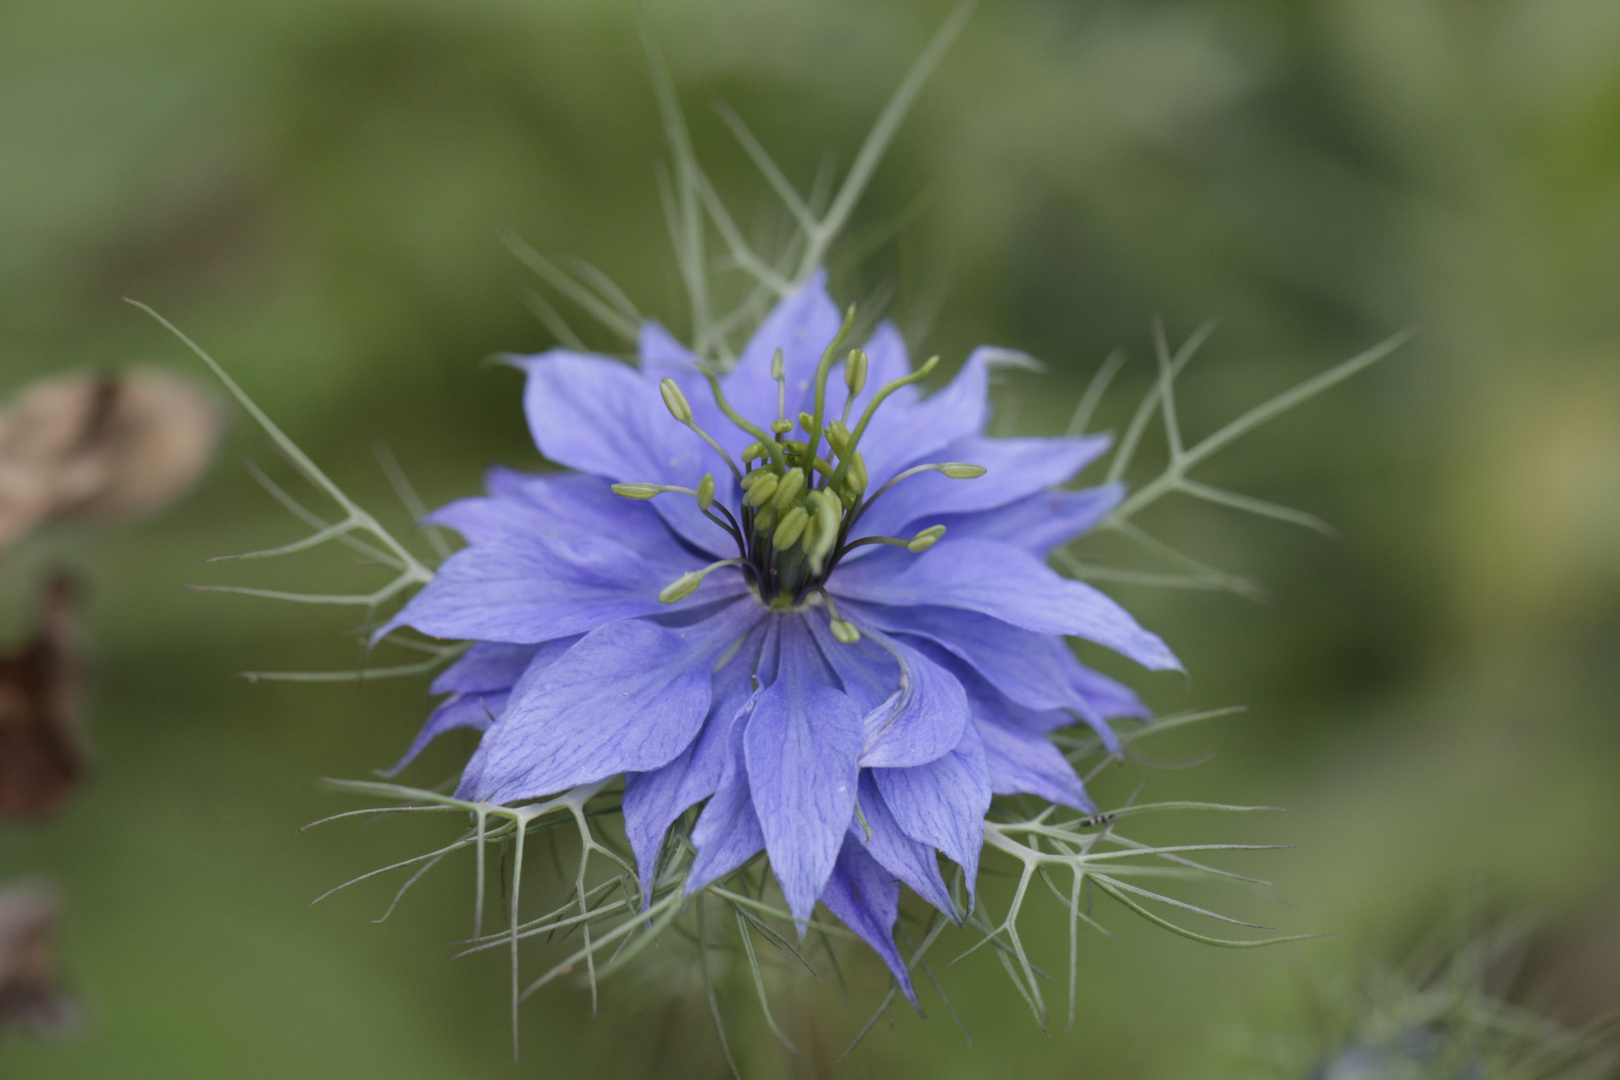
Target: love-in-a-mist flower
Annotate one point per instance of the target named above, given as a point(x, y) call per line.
point(800, 591)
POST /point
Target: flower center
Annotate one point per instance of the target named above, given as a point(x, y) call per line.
point(798, 506)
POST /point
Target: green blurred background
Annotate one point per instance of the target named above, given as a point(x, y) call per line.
point(314, 191)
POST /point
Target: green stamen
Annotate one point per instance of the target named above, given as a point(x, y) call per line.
point(761, 490)
point(956, 470)
point(687, 584)
point(779, 373)
point(765, 440)
point(648, 491)
point(822, 370)
point(675, 401)
point(791, 528)
point(917, 544)
point(872, 407)
point(854, 381)
point(789, 489)
point(797, 508)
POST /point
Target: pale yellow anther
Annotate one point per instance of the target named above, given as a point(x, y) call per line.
point(636, 491)
point(754, 451)
point(778, 369)
point(788, 491)
point(838, 437)
point(675, 401)
point(958, 470)
point(845, 631)
point(790, 528)
point(681, 587)
point(781, 427)
point(855, 372)
point(761, 490)
point(705, 491)
point(856, 477)
point(925, 539)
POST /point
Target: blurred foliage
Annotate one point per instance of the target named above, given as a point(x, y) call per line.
point(314, 191)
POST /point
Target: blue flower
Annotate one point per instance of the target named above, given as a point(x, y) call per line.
point(717, 606)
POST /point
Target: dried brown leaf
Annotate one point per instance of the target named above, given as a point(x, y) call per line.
point(101, 448)
point(42, 754)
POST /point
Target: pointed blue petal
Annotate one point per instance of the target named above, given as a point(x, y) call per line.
point(602, 417)
point(1019, 757)
point(629, 697)
point(476, 710)
point(653, 800)
point(1016, 469)
point(1041, 522)
point(727, 833)
point(1106, 696)
point(1033, 669)
point(482, 681)
point(909, 860)
point(561, 505)
point(913, 710)
point(527, 589)
point(943, 803)
point(866, 898)
point(1009, 584)
point(1025, 762)
point(487, 665)
point(901, 436)
point(801, 747)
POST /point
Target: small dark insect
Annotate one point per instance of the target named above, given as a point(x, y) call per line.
point(42, 753)
point(29, 997)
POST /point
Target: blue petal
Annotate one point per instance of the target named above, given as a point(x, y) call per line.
point(1009, 584)
point(629, 697)
point(1107, 697)
point(942, 804)
point(909, 860)
point(653, 800)
point(1030, 668)
point(1017, 468)
point(1023, 762)
point(1020, 759)
point(482, 680)
point(866, 898)
point(913, 710)
point(1041, 522)
point(802, 326)
point(561, 505)
point(727, 833)
point(599, 416)
point(527, 589)
point(802, 743)
point(486, 665)
point(476, 710)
